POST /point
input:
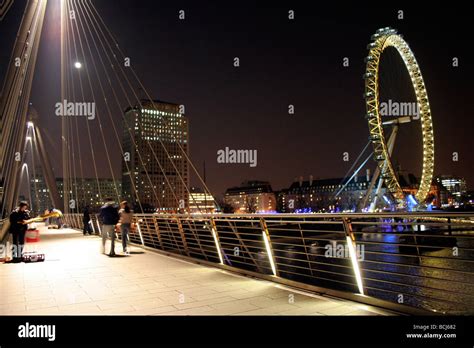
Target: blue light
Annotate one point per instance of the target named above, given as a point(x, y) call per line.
point(411, 202)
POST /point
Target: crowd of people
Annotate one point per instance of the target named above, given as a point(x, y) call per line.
point(113, 217)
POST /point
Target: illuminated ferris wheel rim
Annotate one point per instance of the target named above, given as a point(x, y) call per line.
point(383, 38)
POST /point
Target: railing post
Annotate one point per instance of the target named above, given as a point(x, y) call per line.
point(268, 246)
point(183, 237)
point(215, 235)
point(140, 231)
point(158, 232)
point(351, 244)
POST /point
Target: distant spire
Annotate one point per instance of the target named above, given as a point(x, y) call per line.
point(204, 171)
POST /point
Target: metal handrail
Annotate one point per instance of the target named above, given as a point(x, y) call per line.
point(430, 269)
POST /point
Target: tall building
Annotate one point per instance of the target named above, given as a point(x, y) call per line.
point(154, 168)
point(201, 202)
point(251, 197)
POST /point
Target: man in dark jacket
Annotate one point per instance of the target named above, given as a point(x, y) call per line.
point(18, 230)
point(110, 217)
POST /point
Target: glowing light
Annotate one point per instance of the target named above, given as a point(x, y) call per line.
point(355, 264)
point(269, 252)
point(140, 233)
point(30, 124)
point(214, 235)
point(77, 65)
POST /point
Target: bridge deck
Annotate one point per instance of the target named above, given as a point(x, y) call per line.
point(77, 279)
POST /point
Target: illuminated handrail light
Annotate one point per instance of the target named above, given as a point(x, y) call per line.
point(140, 232)
point(216, 241)
point(269, 252)
point(355, 264)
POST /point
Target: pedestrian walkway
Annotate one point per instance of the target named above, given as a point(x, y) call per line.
point(76, 279)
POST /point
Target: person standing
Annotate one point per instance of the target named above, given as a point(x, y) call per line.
point(86, 218)
point(18, 229)
point(126, 216)
point(110, 217)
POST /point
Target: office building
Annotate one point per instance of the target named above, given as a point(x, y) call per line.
point(155, 170)
point(251, 197)
point(201, 202)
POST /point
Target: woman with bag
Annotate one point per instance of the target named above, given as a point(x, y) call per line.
point(126, 217)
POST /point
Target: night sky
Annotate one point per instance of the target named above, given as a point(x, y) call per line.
point(282, 62)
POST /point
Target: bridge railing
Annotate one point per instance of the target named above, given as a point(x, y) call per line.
point(417, 261)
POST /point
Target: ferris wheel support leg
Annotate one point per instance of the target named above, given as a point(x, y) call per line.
point(377, 194)
point(364, 200)
point(391, 144)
